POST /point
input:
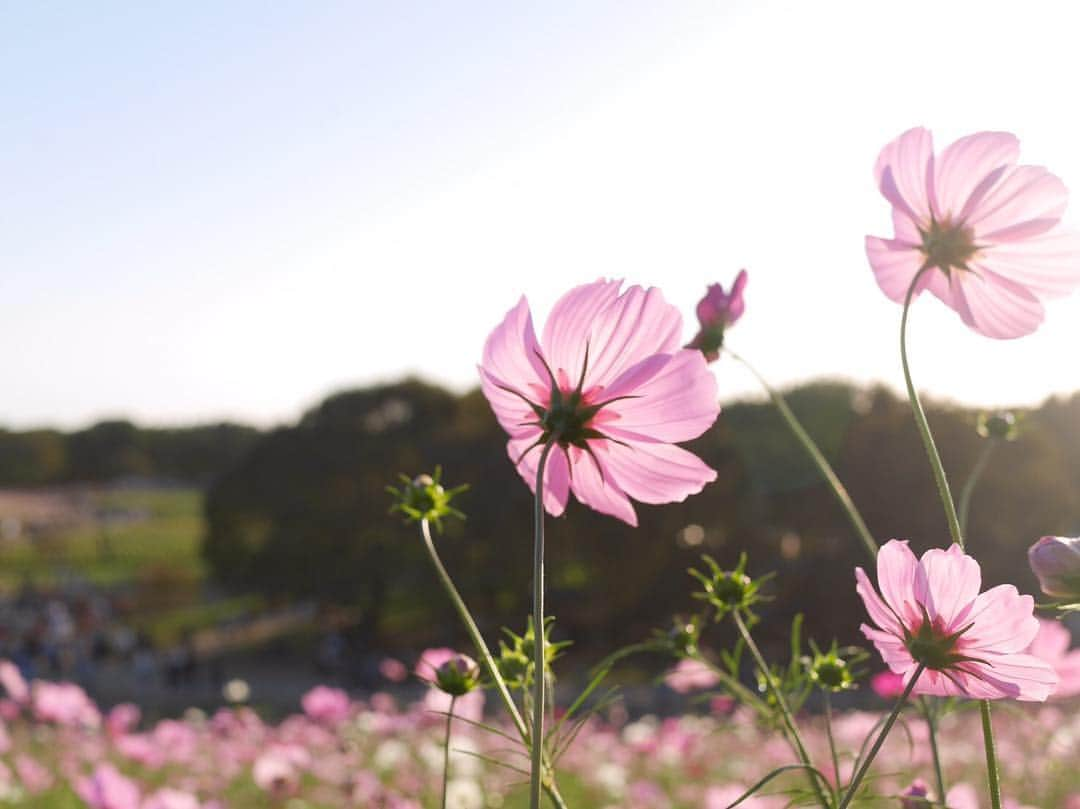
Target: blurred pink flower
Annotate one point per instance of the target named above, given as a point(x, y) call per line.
point(917, 790)
point(988, 227)
point(1056, 563)
point(887, 684)
point(122, 718)
point(690, 675)
point(168, 798)
point(427, 666)
point(962, 796)
point(33, 775)
point(715, 312)
point(324, 704)
point(64, 704)
point(12, 680)
point(971, 643)
point(106, 788)
point(1051, 644)
point(393, 670)
point(611, 386)
point(275, 773)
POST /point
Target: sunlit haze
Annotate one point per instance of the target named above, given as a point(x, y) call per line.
point(229, 211)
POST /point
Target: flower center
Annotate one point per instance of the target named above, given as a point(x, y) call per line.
point(932, 646)
point(947, 245)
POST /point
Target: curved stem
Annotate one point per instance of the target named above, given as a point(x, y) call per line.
point(539, 635)
point(854, 786)
point(740, 691)
point(972, 481)
point(924, 428)
point(991, 756)
point(931, 724)
point(789, 720)
point(474, 633)
point(446, 750)
point(550, 788)
point(832, 746)
point(838, 489)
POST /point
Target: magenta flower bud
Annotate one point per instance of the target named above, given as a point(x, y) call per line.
point(915, 796)
point(1056, 561)
point(715, 312)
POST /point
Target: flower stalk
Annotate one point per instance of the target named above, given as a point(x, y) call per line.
point(539, 674)
point(816, 455)
point(446, 749)
point(853, 787)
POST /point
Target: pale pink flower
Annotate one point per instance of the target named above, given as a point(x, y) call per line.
point(393, 670)
point(1052, 645)
point(33, 775)
point(610, 385)
point(122, 718)
point(106, 788)
point(168, 798)
point(324, 704)
point(931, 611)
point(962, 796)
point(14, 683)
point(64, 704)
point(715, 312)
point(690, 675)
point(988, 227)
point(275, 773)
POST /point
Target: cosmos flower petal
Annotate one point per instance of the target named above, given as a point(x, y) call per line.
point(639, 323)
point(878, 611)
point(1048, 264)
point(673, 398)
point(949, 580)
point(904, 170)
point(968, 166)
point(995, 306)
point(1002, 621)
point(1016, 676)
point(894, 263)
point(556, 473)
point(890, 647)
point(654, 473)
point(896, 566)
point(1024, 194)
point(568, 330)
point(597, 489)
point(511, 363)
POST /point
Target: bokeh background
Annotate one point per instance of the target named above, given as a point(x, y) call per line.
point(249, 255)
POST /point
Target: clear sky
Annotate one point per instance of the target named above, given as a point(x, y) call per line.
point(229, 210)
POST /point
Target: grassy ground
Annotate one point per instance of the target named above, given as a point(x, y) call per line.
point(167, 537)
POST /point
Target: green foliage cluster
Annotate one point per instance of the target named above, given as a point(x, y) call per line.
point(304, 512)
point(120, 449)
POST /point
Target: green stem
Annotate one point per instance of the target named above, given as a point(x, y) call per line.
point(924, 428)
point(539, 660)
point(972, 482)
point(550, 788)
point(854, 786)
point(474, 633)
point(446, 751)
point(832, 746)
point(931, 724)
point(789, 720)
point(991, 756)
point(838, 489)
point(748, 697)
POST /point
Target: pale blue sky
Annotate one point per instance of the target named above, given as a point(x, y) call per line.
point(230, 210)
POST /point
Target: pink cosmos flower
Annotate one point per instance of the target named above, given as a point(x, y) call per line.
point(33, 775)
point(988, 227)
point(106, 788)
point(168, 798)
point(64, 704)
point(690, 675)
point(393, 670)
point(609, 384)
point(12, 680)
point(887, 684)
point(931, 612)
point(1052, 645)
point(715, 312)
point(324, 704)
